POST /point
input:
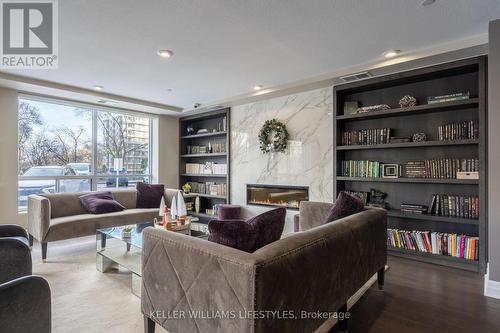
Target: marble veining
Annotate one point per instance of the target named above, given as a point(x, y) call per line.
point(308, 160)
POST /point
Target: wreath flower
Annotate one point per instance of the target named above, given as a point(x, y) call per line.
point(273, 136)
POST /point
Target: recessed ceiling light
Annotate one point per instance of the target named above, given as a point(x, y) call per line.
point(391, 53)
point(427, 2)
point(258, 87)
point(165, 53)
point(169, 89)
point(96, 87)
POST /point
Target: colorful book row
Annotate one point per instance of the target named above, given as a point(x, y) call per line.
point(368, 169)
point(454, 245)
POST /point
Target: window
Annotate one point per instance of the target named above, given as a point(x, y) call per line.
point(68, 148)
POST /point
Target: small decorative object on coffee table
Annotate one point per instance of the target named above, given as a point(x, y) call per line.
point(419, 137)
point(127, 231)
point(407, 101)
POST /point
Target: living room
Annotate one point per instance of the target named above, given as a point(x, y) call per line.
point(249, 166)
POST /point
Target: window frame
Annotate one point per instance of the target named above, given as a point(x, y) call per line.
point(93, 177)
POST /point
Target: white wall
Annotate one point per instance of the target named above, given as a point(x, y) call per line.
point(8, 158)
point(166, 129)
point(307, 162)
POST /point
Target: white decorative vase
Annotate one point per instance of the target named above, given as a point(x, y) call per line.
point(197, 204)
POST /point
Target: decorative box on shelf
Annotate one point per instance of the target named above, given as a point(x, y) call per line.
point(467, 175)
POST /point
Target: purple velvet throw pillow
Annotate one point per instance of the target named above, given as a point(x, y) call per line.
point(100, 203)
point(149, 195)
point(345, 205)
point(250, 235)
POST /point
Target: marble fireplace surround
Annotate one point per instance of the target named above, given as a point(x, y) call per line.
point(308, 160)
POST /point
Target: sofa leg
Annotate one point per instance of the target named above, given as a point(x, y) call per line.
point(30, 240)
point(343, 317)
point(149, 325)
point(44, 252)
point(380, 278)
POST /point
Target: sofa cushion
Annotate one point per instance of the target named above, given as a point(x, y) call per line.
point(100, 203)
point(87, 224)
point(149, 195)
point(345, 205)
point(228, 212)
point(249, 235)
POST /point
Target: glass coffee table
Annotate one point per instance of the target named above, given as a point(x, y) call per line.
point(116, 249)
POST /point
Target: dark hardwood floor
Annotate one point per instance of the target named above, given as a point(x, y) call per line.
point(420, 297)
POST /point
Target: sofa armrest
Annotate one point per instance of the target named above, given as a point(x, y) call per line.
point(189, 274)
point(12, 230)
point(15, 256)
point(318, 269)
point(38, 216)
point(312, 214)
point(25, 305)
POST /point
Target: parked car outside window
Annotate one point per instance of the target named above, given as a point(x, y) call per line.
point(41, 186)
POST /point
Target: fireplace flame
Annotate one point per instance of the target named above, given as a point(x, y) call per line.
point(282, 203)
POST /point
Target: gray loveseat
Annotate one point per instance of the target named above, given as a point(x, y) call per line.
point(58, 216)
point(317, 269)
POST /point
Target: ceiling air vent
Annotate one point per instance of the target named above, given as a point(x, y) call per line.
point(107, 102)
point(356, 77)
point(215, 107)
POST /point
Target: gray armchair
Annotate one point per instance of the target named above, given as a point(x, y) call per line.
point(15, 253)
point(24, 298)
point(25, 305)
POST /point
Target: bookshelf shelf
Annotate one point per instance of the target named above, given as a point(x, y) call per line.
point(462, 76)
point(203, 135)
point(202, 175)
point(217, 123)
point(203, 155)
point(411, 145)
point(445, 106)
point(203, 195)
point(429, 217)
point(460, 263)
point(411, 180)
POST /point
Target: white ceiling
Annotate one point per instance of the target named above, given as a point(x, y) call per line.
point(223, 48)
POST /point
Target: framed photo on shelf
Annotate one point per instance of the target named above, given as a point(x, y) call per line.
point(390, 170)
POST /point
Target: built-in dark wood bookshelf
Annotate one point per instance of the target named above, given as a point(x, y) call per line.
point(467, 75)
point(216, 124)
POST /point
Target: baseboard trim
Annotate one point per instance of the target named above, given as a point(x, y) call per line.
point(491, 288)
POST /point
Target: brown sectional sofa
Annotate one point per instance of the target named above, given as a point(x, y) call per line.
point(58, 216)
point(317, 269)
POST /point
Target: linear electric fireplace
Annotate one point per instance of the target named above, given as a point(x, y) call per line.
point(276, 195)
